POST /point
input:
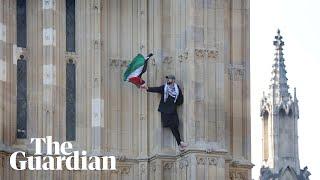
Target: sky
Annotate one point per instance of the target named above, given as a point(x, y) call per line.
point(299, 24)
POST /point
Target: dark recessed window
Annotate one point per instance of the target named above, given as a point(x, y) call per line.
point(71, 101)
point(70, 26)
point(22, 23)
point(22, 105)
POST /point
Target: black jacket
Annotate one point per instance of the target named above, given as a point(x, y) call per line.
point(169, 106)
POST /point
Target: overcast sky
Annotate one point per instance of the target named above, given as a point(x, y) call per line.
point(299, 22)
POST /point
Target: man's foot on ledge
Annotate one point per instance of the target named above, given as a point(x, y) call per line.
point(183, 144)
point(181, 148)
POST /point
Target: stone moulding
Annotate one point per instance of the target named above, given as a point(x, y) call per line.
point(209, 53)
point(118, 62)
point(167, 60)
point(238, 175)
point(74, 57)
point(18, 53)
point(143, 169)
point(183, 56)
point(184, 163)
point(236, 72)
point(167, 165)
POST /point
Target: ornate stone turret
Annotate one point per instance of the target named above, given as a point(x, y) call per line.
point(279, 87)
point(280, 114)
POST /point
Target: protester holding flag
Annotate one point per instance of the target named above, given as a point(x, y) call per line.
point(171, 97)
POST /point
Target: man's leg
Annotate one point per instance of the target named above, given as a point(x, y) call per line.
point(176, 134)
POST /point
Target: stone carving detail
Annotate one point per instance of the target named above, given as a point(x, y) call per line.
point(167, 165)
point(304, 173)
point(183, 163)
point(97, 43)
point(153, 167)
point(238, 176)
point(213, 161)
point(266, 173)
point(286, 105)
point(115, 171)
point(236, 71)
point(124, 169)
point(142, 117)
point(207, 160)
point(183, 56)
point(124, 63)
point(17, 52)
point(142, 169)
point(167, 60)
point(71, 56)
point(199, 52)
point(210, 53)
point(201, 160)
point(117, 62)
point(96, 6)
point(264, 107)
point(153, 61)
point(122, 158)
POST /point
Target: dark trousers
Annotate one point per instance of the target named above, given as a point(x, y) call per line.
point(176, 134)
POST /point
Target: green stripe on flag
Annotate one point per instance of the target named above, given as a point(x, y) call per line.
point(137, 62)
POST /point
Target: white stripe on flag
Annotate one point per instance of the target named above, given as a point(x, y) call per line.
point(135, 73)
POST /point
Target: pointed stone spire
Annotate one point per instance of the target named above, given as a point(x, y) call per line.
point(279, 87)
point(280, 114)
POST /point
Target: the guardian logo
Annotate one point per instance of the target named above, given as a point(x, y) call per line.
point(62, 157)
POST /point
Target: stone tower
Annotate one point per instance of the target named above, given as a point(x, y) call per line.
point(280, 114)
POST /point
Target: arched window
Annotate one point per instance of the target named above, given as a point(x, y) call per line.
point(71, 101)
point(22, 23)
point(70, 26)
point(22, 105)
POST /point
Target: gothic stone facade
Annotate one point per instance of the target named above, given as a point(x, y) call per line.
point(205, 43)
point(280, 114)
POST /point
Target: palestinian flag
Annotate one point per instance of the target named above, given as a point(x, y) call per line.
point(136, 68)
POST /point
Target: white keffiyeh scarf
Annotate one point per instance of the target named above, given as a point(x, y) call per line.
point(171, 90)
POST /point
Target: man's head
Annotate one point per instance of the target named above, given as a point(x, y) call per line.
point(170, 79)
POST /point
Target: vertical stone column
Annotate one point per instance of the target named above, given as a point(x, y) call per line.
point(143, 103)
point(217, 53)
point(238, 70)
point(7, 79)
point(97, 101)
point(83, 102)
point(3, 67)
point(49, 65)
point(190, 126)
point(154, 73)
point(111, 31)
point(142, 34)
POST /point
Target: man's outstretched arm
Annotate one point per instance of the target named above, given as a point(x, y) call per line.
point(152, 89)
